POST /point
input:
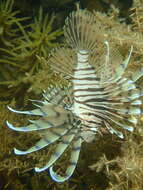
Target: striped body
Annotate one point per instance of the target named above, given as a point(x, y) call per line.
point(92, 101)
point(85, 85)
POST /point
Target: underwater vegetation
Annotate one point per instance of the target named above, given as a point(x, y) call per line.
point(114, 161)
point(21, 45)
point(104, 6)
point(105, 99)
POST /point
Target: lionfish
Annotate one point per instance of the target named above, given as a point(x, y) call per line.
point(77, 113)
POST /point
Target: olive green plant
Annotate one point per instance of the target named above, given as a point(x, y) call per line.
point(21, 44)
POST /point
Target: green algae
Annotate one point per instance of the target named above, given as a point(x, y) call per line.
point(21, 44)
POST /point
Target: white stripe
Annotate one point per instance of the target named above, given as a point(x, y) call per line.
point(78, 93)
point(80, 75)
point(83, 81)
point(76, 87)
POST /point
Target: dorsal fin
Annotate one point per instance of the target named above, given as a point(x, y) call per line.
point(79, 30)
point(62, 60)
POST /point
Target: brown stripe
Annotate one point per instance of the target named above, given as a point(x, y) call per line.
point(101, 100)
point(90, 128)
point(90, 89)
point(83, 74)
point(94, 122)
point(78, 84)
point(92, 106)
point(107, 115)
point(103, 108)
point(96, 107)
point(84, 69)
point(84, 95)
point(86, 78)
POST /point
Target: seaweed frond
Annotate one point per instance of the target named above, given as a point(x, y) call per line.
point(19, 50)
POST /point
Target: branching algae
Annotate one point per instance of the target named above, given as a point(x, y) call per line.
point(22, 41)
point(95, 100)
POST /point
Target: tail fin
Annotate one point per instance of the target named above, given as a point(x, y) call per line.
point(79, 30)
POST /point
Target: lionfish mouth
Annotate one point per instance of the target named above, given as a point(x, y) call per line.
point(95, 99)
